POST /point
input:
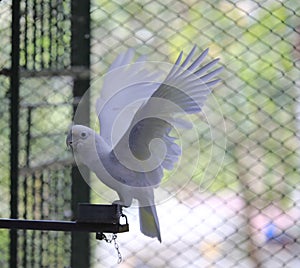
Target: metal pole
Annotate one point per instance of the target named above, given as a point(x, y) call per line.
point(80, 57)
point(14, 127)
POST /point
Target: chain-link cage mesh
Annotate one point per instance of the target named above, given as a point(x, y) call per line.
point(45, 111)
point(4, 127)
point(249, 214)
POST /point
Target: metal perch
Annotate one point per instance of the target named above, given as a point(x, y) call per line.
point(91, 218)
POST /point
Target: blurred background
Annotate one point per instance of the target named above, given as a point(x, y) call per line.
point(247, 215)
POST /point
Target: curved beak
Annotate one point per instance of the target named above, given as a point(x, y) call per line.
point(69, 139)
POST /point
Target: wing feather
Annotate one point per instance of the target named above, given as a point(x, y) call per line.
point(184, 87)
point(126, 82)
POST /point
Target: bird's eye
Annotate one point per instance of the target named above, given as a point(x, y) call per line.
point(83, 134)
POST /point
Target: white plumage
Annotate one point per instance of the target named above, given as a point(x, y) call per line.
point(136, 112)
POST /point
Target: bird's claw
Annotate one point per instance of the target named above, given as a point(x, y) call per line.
point(120, 203)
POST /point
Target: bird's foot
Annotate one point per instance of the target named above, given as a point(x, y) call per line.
point(121, 203)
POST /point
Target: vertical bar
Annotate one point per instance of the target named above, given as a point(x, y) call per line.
point(14, 127)
point(33, 211)
point(56, 46)
point(50, 32)
point(59, 33)
point(57, 196)
point(80, 56)
point(28, 136)
point(25, 184)
point(35, 37)
point(42, 34)
point(26, 34)
point(42, 251)
point(24, 248)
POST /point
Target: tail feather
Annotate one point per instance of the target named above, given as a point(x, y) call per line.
point(149, 223)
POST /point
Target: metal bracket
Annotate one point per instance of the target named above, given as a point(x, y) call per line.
point(91, 218)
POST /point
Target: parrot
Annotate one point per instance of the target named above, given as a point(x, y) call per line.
point(135, 145)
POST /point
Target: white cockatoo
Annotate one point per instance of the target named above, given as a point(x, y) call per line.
point(134, 145)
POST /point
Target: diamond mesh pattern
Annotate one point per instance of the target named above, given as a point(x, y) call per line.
point(248, 215)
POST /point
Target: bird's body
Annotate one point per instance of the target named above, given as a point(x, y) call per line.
point(131, 159)
point(129, 184)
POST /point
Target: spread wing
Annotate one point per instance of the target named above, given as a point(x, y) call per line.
point(147, 144)
point(125, 82)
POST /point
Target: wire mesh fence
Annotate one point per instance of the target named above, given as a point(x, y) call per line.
point(43, 184)
point(248, 214)
point(4, 83)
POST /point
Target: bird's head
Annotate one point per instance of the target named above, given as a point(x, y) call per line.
point(80, 137)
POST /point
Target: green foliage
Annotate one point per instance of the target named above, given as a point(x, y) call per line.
point(265, 109)
point(257, 96)
point(258, 55)
point(255, 48)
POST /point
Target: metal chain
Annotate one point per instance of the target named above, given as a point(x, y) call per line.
point(102, 236)
point(117, 248)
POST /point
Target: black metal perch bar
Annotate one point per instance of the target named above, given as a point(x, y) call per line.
point(91, 218)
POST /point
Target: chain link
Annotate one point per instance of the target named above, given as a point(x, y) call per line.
point(117, 248)
point(101, 236)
